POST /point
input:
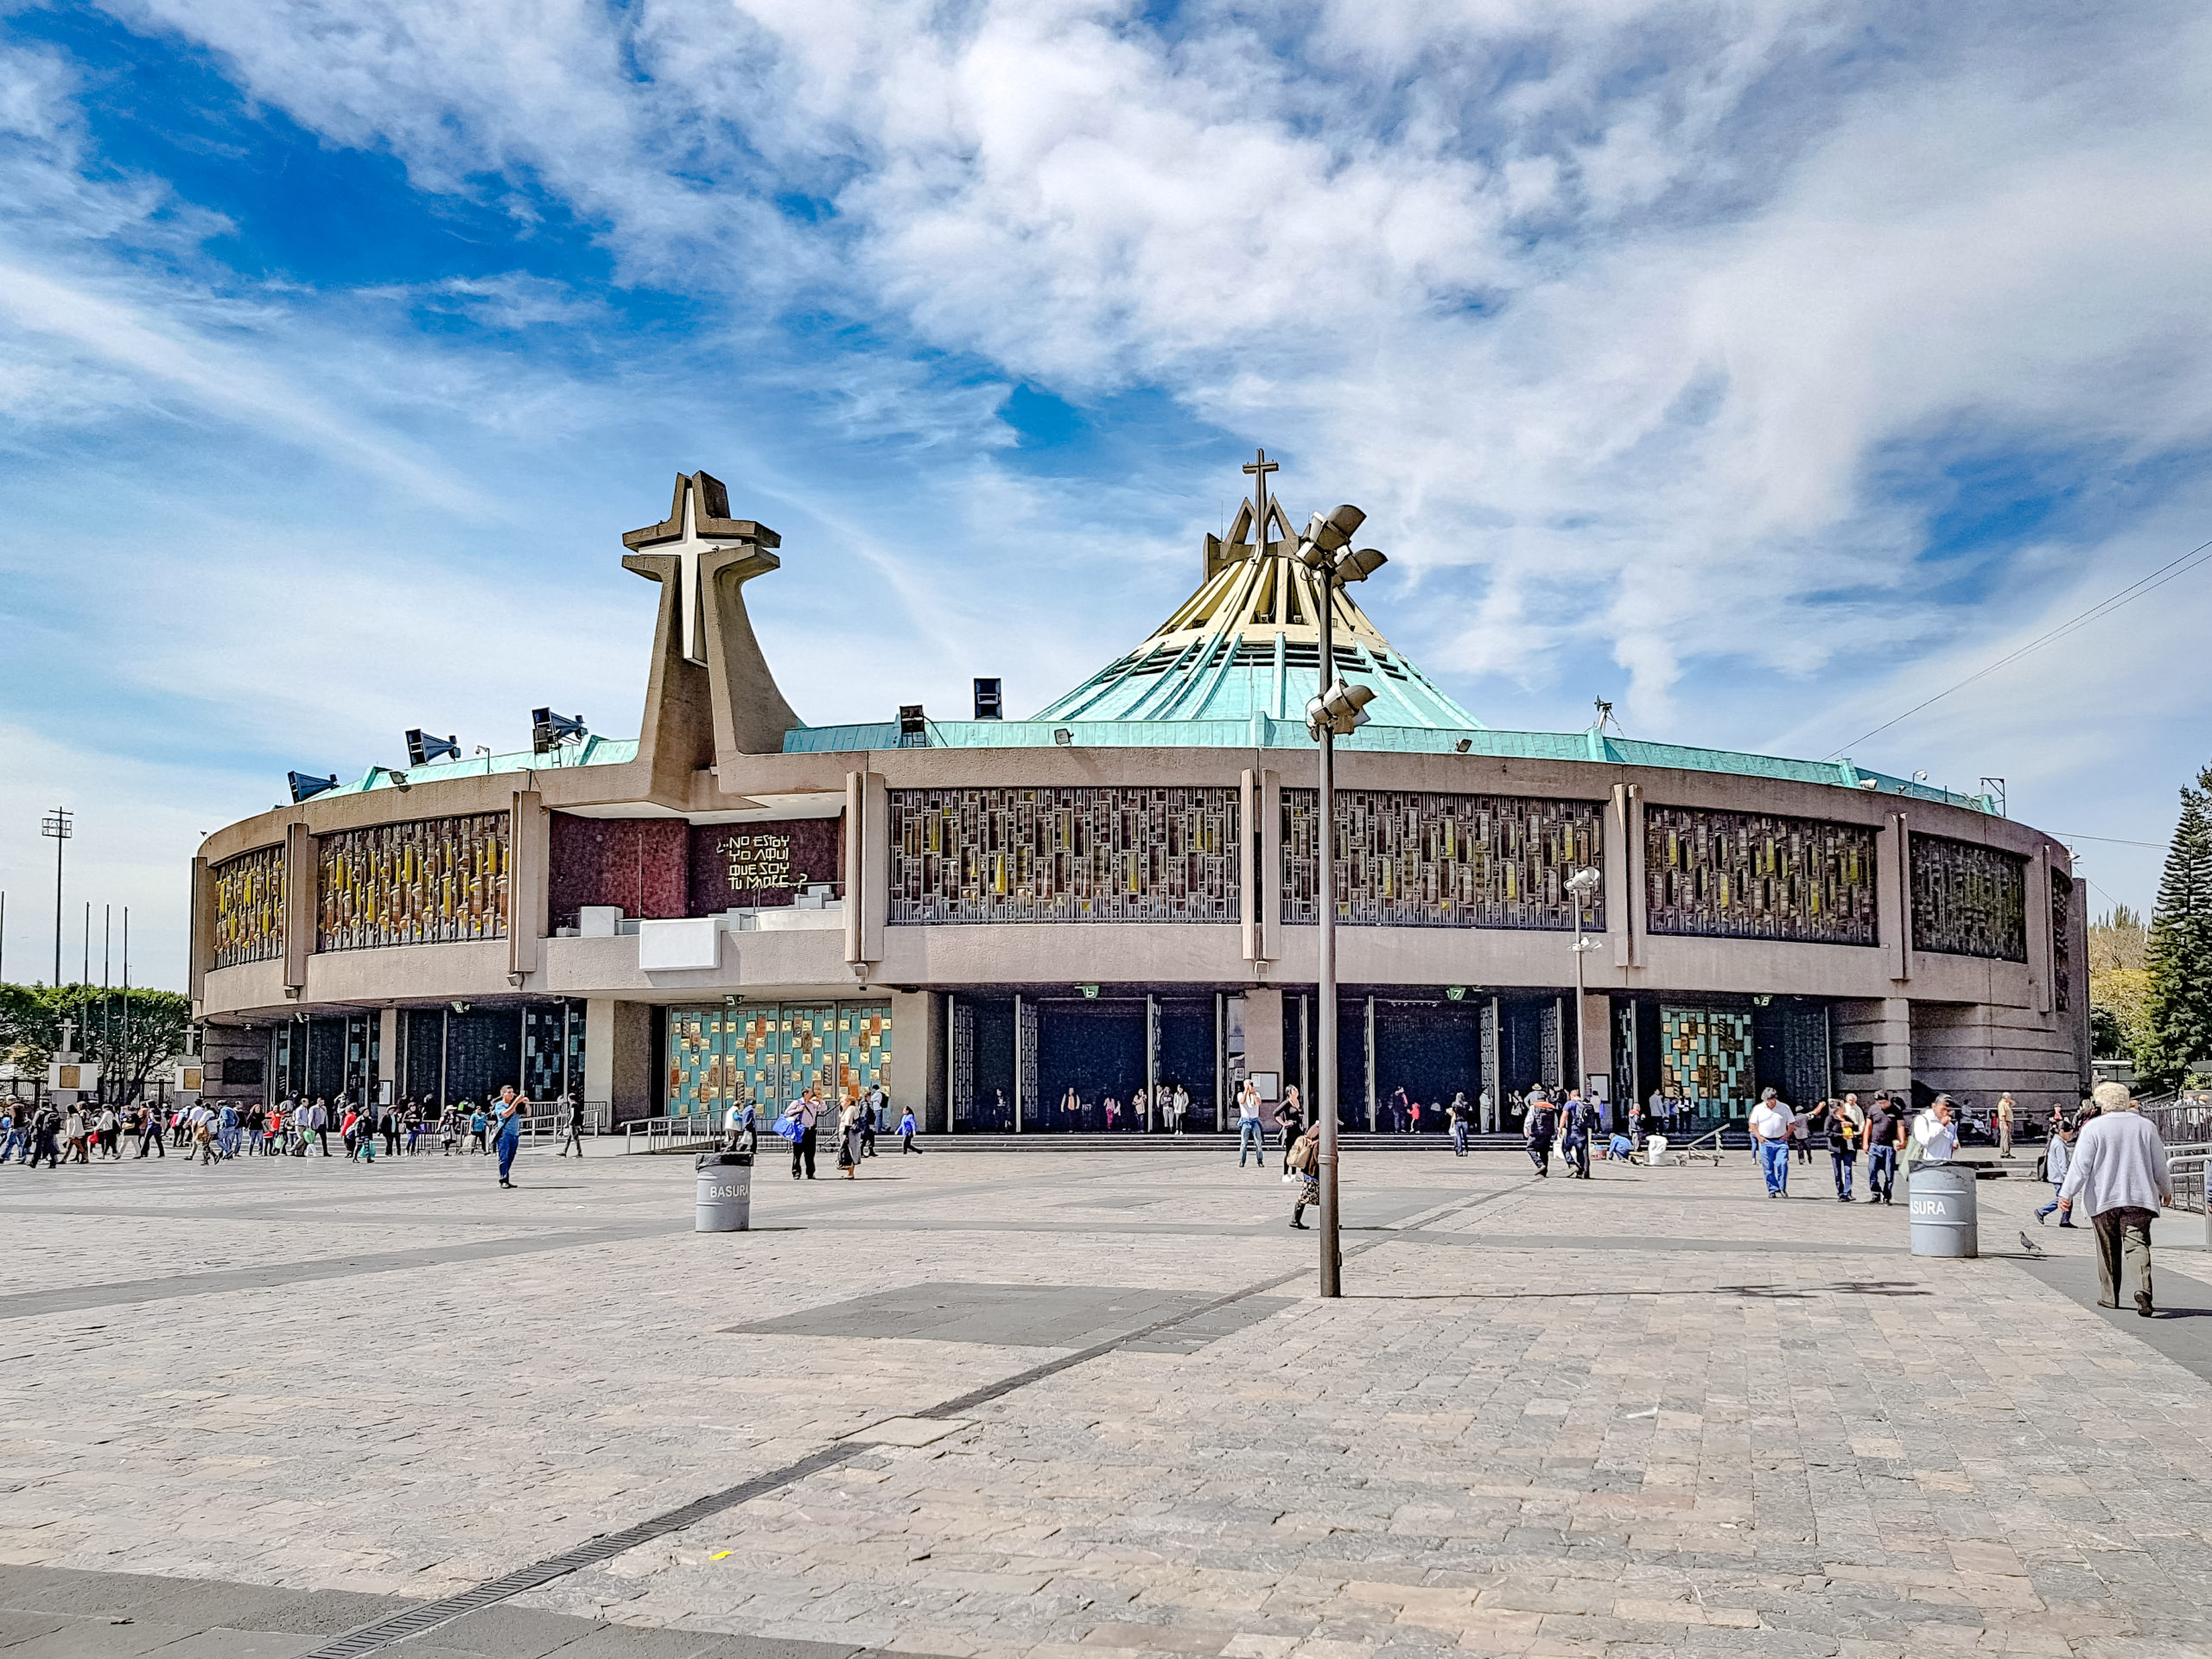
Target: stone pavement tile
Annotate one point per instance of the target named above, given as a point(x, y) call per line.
point(100, 1638)
point(221, 1643)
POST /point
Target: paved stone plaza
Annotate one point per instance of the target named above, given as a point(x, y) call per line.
point(1077, 1401)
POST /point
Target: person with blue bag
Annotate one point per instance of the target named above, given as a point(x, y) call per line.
point(796, 1126)
point(510, 1112)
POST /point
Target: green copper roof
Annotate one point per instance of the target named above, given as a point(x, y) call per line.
point(1260, 731)
point(594, 751)
point(1249, 642)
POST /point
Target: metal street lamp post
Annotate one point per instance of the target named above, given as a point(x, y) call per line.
point(1337, 711)
point(1581, 884)
point(56, 828)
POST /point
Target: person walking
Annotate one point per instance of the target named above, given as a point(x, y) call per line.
point(511, 1112)
point(1305, 1164)
point(867, 1126)
point(2119, 1172)
point(1181, 1110)
point(1290, 1125)
point(1846, 1124)
point(1249, 1136)
point(1771, 1126)
point(13, 1140)
point(1456, 1116)
point(2005, 1111)
point(1885, 1134)
point(1801, 1132)
point(1579, 1121)
point(319, 1124)
point(2057, 1155)
point(907, 1130)
point(1541, 1126)
point(848, 1138)
point(806, 1113)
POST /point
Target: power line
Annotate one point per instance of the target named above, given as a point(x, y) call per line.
point(2135, 590)
point(2068, 835)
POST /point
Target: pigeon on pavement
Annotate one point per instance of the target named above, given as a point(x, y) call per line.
point(2029, 1245)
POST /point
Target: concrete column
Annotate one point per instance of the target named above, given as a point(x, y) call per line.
point(203, 929)
point(919, 1072)
point(619, 1061)
point(2037, 898)
point(1624, 867)
point(390, 1061)
point(302, 882)
point(1263, 1049)
point(1269, 830)
point(1596, 1029)
point(1893, 895)
point(529, 834)
point(1247, 865)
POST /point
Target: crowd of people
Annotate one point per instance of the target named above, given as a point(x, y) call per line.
point(298, 1127)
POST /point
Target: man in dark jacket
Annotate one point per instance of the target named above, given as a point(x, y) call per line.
point(1579, 1121)
point(1542, 1128)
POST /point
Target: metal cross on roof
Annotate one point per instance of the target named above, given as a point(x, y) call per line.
point(1259, 468)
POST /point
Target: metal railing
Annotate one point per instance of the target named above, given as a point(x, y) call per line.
point(668, 1134)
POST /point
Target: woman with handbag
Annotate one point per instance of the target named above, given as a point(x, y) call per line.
point(848, 1138)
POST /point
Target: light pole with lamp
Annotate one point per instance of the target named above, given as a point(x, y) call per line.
point(57, 827)
point(1581, 884)
point(1336, 711)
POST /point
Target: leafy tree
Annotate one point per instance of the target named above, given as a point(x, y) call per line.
point(2119, 986)
point(130, 1049)
point(2179, 959)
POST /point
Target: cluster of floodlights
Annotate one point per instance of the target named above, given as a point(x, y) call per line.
point(1325, 549)
point(548, 732)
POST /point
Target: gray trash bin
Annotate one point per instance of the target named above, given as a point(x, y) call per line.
point(725, 1192)
point(1944, 1218)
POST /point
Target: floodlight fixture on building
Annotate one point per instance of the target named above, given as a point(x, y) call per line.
point(988, 703)
point(1341, 709)
point(305, 784)
point(1360, 565)
point(422, 747)
point(548, 730)
point(1061, 736)
point(1463, 746)
point(913, 727)
point(1583, 880)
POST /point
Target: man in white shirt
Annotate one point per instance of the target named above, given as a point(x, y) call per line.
point(2119, 1174)
point(1934, 1138)
point(1770, 1127)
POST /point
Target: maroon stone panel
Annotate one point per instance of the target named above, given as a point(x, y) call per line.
point(763, 864)
point(641, 864)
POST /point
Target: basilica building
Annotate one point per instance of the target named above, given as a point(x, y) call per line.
point(1060, 923)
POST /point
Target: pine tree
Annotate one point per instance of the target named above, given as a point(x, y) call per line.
point(2181, 946)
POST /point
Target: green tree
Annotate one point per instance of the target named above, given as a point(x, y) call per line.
point(2119, 986)
point(131, 1034)
point(2179, 958)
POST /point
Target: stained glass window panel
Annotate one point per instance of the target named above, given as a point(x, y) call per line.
point(1968, 899)
point(1408, 859)
point(1130, 855)
point(431, 882)
point(1755, 875)
point(250, 907)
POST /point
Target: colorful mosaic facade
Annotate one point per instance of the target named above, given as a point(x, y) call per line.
point(1064, 855)
point(1704, 1054)
point(2062, 934)
point(1749, 876)
point(250, 907)
point(431, 881)
point(1421, 860)
point(1969, 900)
point(769, 1054)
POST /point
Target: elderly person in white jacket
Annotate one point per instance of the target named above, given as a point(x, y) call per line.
point(2119, 1174)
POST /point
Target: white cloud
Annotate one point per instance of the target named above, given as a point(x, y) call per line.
point(1645, 331)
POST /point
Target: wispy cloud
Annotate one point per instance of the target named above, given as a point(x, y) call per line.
point(1754, 364)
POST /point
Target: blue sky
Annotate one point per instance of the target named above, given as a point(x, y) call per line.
point(1762, 367)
